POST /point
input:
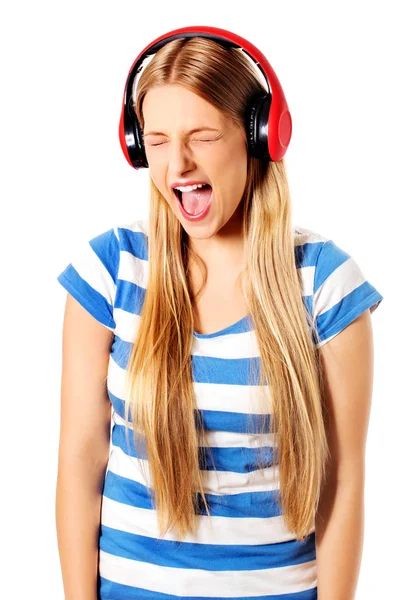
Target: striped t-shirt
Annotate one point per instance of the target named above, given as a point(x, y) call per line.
point(244, 550)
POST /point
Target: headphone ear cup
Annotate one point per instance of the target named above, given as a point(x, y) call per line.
point(131, 139)
point(257, 125)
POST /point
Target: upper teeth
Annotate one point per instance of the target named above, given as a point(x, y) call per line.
point(189, 188)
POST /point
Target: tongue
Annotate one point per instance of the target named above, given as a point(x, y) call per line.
point(194, 202)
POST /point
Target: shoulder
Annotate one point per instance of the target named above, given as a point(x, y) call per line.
point(133, 254)
point(107, 270)
point(109, 246)
point(132, 237)
point(319, 253)
point(308, 243)
point(336, 289)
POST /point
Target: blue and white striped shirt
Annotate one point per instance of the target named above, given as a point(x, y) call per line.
point(244, 551)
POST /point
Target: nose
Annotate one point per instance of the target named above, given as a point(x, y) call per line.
point(180, 158)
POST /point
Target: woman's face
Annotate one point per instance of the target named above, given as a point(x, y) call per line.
point(217, 157)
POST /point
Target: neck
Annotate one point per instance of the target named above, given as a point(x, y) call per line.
point(226, 246)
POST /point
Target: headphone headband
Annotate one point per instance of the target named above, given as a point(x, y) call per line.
point(270, 120)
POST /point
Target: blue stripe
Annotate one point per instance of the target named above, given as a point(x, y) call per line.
point(134, 242)
point(120, 351)
point(347, 310)
point(205, 369)
point(214, 557)
point(306, 254)
point(94, 302)
point(119, 406)
point(115, 591)
point(233, 459)
point(215, 420)
point(328, 260)
point(232, 371)
point(106, 246)
point(259, 505)
point(129, 297)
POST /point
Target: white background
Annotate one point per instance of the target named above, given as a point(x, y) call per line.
point(64, 179)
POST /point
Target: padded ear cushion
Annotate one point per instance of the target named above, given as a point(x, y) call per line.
point(131, 137)
point(257, 125)
point(141, 152)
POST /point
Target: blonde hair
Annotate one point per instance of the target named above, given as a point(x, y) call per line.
point(159, 387)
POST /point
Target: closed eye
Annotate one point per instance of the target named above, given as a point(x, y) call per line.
point(160, 144)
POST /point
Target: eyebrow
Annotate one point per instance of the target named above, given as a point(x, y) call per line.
point(188, 132)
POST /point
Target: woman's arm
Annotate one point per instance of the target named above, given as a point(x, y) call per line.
point(339, 539)
point(83, 449)
point(347, 362)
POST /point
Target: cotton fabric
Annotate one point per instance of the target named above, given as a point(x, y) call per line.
point(245, 550)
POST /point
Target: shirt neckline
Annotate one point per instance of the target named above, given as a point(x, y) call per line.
point(239, 327)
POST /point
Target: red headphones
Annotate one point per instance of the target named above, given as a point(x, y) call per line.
point(268, 121)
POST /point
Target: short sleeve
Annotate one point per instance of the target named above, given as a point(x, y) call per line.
point(341, 292)
point(91, 277)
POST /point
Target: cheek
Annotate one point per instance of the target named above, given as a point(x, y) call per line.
point(232, 158)
point(235, 172)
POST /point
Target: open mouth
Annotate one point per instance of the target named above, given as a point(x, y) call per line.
point(178, 193)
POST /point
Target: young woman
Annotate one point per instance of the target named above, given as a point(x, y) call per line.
point(234, 352)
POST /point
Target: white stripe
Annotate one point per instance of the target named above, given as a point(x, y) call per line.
point(127, 325)
point(137, 225)
point(133, 269)
point(221, 439)
point(231, 345)
point(233, 398)
point(307, 280)
point(116, 378)
point(343, 280)
point(214, 530)
point(307, 236)
point(143, 225)
point(189, 581)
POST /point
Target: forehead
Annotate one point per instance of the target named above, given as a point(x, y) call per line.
point(173, 107)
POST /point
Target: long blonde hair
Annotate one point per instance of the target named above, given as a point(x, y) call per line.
point(159, 388)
